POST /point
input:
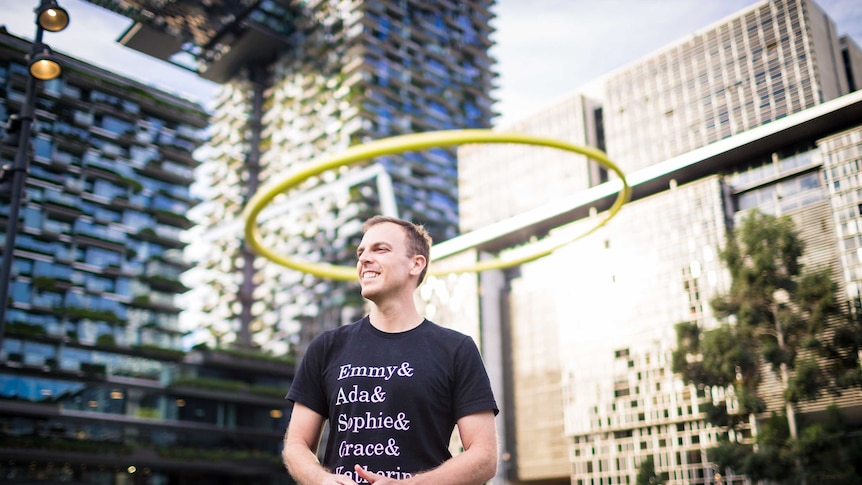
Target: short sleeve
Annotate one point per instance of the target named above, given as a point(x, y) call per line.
point(308, 387)
point(472, 387)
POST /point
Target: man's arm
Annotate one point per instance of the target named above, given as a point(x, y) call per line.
point(476, 465)
point(300, 446)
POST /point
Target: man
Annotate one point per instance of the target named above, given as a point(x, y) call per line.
point(392, 385)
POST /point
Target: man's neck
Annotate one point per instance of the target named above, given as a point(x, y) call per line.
point(394, 317)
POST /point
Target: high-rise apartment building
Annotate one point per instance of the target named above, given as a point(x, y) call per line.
point(94, 385)
point(303, 80)
point(351, 72)
point(752, 112)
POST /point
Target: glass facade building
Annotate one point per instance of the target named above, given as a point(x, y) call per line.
point(760, 65)
point(587, 332)
point(94, 385)
point(768, 61)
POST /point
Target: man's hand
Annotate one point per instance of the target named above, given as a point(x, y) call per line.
point(300, 442)
point(373, 477)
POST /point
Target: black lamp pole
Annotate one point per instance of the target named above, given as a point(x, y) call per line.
point(21, 167)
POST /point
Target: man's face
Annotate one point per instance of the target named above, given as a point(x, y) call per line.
point(383, 263)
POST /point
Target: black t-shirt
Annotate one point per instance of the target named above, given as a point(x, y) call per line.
point(392, 399)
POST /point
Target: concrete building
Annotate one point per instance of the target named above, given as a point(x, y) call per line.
point(762, 64)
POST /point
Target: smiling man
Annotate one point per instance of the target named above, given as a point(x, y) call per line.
point(392, 385)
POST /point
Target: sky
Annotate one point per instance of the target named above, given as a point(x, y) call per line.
point(545, 49)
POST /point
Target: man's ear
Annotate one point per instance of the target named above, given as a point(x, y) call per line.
point(419, 263)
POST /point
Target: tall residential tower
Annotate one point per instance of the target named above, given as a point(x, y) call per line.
point(352, 71)
point(94, 385)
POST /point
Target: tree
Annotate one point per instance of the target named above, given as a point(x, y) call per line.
point(646, 473)
point(774, 317)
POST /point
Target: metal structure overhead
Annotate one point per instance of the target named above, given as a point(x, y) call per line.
point(214, 38)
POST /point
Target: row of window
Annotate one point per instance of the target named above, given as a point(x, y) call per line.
point(140, 403)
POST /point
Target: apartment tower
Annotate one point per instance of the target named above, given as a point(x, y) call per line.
point(333, 74)
point(95, 386)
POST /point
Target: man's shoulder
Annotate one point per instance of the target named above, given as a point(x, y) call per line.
point(333, 335)
point(444, 332)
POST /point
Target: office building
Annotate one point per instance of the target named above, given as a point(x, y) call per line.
point(764, 63)
point(755, 111)
point(94, 385)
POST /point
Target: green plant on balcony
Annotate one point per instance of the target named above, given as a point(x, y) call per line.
point(93, 369)
point(107, 340)
point(150, 413)
point(147, 232)
point(270, 391)
point(169, 214)
point(131, 183)
point(214, 384)
point(63, 444)
point(45, 283)
point(266, 144)
point(160, 352)
point(171, 218)
point(182, 453)
point(24, 328)
point(250, 354)
point(210, 383)
point(80, 313)
point(173, 285)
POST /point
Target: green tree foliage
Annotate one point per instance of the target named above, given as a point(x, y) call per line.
point(774, 319)
point(647, 474)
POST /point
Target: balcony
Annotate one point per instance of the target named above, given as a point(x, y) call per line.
point(82, 313)
point(156, 302)
point(175, 258)
point(161, 235)
point(62, 207)
point(58, 451)
point(249, 361)
point(167, 171)
point(172, 219)
point(168, 285)
point(180, 154)
point(106, 239)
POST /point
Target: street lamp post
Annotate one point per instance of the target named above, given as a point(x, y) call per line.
point(42, 67)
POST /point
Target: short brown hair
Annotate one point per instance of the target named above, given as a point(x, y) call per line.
point(418, 240)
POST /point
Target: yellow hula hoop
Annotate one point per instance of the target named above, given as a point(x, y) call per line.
point(415, 142)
